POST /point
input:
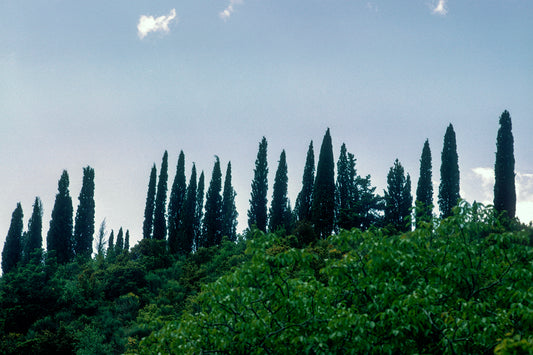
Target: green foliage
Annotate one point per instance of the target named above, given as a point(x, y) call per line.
point(33, 245)
point(12, 251)
point(198, 217)
point(323, 205)
point(449, 174)
point(504, 186)
point(302, 209)
point(59, 238)
point(148, 223)
point(84, 227)
point(175, 205)
point(424, 188)
point(257, 214)
point(461, 286)
point(160, 223)
point(186, 236)
point(280, 201)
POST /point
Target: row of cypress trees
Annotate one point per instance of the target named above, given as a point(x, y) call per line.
point(189, 224)
point(66, 237)
point(323, 204)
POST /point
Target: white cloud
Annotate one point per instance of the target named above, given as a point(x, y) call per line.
point(440, 8)
point(149, 24)
point(226, 13)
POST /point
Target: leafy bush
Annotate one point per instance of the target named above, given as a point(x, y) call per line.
point(461, 285)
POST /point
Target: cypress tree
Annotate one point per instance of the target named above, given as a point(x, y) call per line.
point(229, 211)
point(59, 237)
point(449, 174)
point(212, 226)
point(323, 205)
point(504, 184)
point(199, 213)
point(398, 198)
point(148, 224)
point(424, 188)
point(346, 190)
point(84, 227)
point(187, 232)
point(160, 224)
point(257, 214)
point(177, 198)
point(111, 246)
point(280, 203)
point(12, 252)
point(100, 242)
point(33, 248)
point(119, 245)
point(127, 241)
point(302, 208)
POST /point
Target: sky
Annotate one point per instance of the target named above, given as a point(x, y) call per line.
point(113, 84)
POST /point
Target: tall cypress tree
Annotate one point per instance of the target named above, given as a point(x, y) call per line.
point(280, 202)
point(257, 214)
point(347, 194)
point(119, 245)
point(229, 211)
point(175, 205)
point(212, 226)
point(323, 205)
point(160, 223)
point(111, 246)
point(59, 237)
point(33, 248)
point(84, 227)
point(504, 185)
point(199, 215)
point(12, 252)
point(449, 174)
point(424, 188)
point(127, 241)
point(148, 224)
point(186, 234)
point(302, 208)
point(398, 198)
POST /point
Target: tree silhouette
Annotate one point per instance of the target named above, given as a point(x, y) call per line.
point(504, 184)
point(279, 206)
point(449, 174)
point(84, 227)
point(148, 224)
point(212, 226)
point(424, 188)
point(398, 198)
point(229, 211)
point(59, 237)
point(302, 208)
point(12, 252)
point(175, 205)
point(257, 214)
point(160, 223)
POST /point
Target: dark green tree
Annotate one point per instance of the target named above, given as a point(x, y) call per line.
point(148, 224)
point(12, 252)
point(59, 237)
point(302, 208)
point(398, 198)
point(212, 226)
point(84, 227)
point(119, 245)
point(346, 190)
point(424, 188)
point(323, 205)
point(160, 223)
point(257, 214)
point(187, 232)
point(229, 211)
point(199, 215)
point(111, 246)
point(175, 205)
point(504, 185)
point(280, 202)
point(449, 174)
point(100, 241)
point(369, 206)
point(33, 247)
point(127, 241)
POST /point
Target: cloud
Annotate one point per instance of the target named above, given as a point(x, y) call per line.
point(149, 24)
point(440, 8)
point(226, 13)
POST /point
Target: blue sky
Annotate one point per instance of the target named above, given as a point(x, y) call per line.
point(81, 85)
